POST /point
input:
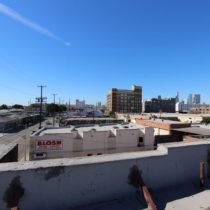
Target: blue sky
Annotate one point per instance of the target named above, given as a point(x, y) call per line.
point(83, 48)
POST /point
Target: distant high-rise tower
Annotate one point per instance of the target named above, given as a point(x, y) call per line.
point(80, 104)
point(159, 97)
point(177, 97)
point(196, 99)
point(190, 99)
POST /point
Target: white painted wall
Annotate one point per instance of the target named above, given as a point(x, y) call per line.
point(149, 137)
point(88, 142)
point(127, 138)
point(94, 140)
point(158, 131)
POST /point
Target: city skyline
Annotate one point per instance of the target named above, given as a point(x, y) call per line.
point(82, 49)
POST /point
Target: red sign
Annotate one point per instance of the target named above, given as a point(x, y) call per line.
point(56, 144)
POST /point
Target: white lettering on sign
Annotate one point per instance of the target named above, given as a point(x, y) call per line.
point(56, 144)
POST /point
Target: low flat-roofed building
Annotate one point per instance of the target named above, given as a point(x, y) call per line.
point(192, 133)
point(194, 130)
point(163, 129)
point(95, 140)
point(12, 120)
point(185, 118)
point(78, 121)
point(201, 109)
point(166, 125)
point(157, 105)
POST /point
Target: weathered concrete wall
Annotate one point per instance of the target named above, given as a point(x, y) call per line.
point(11, 156)
point(66, 183)
point(149, 138)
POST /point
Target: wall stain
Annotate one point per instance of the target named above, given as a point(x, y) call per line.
point(14, 193)
point(54, 172)
point(135, 177)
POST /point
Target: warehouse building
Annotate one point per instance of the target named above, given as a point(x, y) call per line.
point(87, 141)
point(10, 121)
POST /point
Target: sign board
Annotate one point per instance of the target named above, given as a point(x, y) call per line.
point(53, 144)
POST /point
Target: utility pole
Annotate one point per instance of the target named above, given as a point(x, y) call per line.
point(93, 114)
point(54, 94)
point(69, 104)
point(41, 99)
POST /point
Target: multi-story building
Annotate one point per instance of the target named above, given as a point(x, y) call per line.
point(204, 109)
point(125, 101)
point(87, 141)
point(190, 99)
point(80, 104)
point(177, 97)
point(182, 106)
point(160, 105)
point(196, 99)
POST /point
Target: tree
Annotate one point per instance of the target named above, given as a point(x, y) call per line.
point(3, 106)
point(17, 106)
point(112, 114)
point(62, 108)
point(206, 120)
point(55, 108)
point(52, 108)
point(35, 105)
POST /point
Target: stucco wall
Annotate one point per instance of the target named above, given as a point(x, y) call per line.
point(158, 131)
point(149, 137)
point(78, 143)
point(65, 183)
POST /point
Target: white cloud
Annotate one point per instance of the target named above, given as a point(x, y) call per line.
point(30, 24)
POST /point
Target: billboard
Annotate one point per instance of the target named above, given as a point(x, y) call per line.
point(53, 144)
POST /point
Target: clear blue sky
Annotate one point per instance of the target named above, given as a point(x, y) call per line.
point(83, 48)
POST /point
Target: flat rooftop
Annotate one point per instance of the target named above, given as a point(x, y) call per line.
point(194, 202)
point(91, 118)
point(168, 122)
point(12, 116)
point(89, 128)
point(185, 197)
point(164, 114)
point(194, 130)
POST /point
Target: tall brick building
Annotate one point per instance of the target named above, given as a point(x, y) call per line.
point(125, 101)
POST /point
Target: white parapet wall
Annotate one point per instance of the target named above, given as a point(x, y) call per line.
point(68, 183)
